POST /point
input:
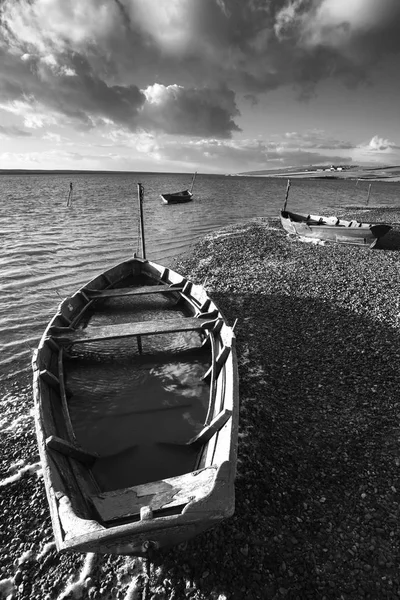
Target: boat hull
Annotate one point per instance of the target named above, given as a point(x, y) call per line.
point(332, 229)
point(177, 198)
point(87, 514)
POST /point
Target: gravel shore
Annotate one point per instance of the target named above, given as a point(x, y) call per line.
point(318, 491)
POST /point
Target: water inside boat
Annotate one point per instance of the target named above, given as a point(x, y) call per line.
point(136, 409)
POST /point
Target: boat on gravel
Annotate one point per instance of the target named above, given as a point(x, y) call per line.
point(135, 387)
point(179, 197)
point(331, 229)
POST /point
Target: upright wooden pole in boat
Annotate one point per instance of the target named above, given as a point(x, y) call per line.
point(287, 194)
point(140, 198)
point(369, 193)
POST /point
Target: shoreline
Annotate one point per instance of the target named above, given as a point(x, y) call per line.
point(317, 506)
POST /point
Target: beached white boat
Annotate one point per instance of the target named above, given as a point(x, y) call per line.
point(331, 229)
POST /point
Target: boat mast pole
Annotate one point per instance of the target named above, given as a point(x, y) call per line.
point(140, 199)
point(192, 184)
point(287, 195)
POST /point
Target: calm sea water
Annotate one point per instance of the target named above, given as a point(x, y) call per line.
point(49, 249)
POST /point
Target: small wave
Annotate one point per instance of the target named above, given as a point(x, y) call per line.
point(7, 588)
point(48, 547)
point(133, 588)
point(75, 588)
point(16, 343)
point(15, 324)
point(34, 468)
point(16, 356)
point(18, 374)
point(25, 557)
point(8, 422)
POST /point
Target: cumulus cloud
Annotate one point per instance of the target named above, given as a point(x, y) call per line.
point(379, 144)
point(378, 150)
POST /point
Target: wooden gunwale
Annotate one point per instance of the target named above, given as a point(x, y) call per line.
point(67, 476)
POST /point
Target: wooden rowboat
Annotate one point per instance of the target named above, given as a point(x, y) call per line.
point(128, 468)
point(331, 229)
point(179, 197)
point(135, 388)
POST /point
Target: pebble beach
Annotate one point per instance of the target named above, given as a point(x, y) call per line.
point(318, 491)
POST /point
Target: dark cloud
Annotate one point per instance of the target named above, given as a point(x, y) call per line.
point(196, 112)
point(72, 90)
point(83, 96)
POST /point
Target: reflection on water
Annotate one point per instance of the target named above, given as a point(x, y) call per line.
point(138, 410)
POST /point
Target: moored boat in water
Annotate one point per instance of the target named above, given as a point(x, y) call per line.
point(179, 197)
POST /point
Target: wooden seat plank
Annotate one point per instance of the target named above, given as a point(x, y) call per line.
point(64, 447)
point(117, 292)
point(108, 332)
point(158, 495)
point(209, 430)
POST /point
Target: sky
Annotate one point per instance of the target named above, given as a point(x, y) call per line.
point(214, 86)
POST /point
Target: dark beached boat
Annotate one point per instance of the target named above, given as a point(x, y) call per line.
point(179, 197)
point(332, 229)
point(136, 410)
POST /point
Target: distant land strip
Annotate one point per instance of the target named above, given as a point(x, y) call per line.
point(383, 173)
point(72, 172)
